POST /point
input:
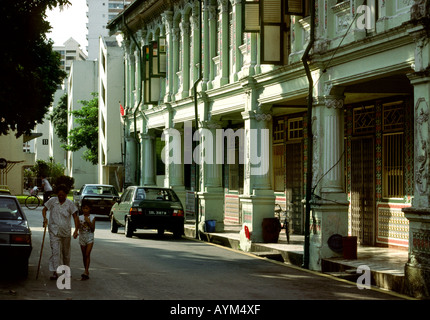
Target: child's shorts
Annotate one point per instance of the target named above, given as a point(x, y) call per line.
point(86, 238)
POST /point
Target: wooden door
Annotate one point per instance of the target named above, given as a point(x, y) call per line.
point(363, 190)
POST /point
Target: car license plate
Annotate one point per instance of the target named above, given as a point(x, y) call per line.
point(157, 212)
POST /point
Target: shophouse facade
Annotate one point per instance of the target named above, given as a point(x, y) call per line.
point(369, 112)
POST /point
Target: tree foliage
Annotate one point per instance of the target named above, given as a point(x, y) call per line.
point(59, 119)
point(86, 133)
point(50, 169)
point(30, 69)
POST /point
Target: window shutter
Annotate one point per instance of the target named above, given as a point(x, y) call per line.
point(272, 29)
point(162, 56)
point(151, 73)
point(295, 7)
point(251, 14)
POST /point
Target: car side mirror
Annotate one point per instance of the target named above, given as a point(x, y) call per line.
point(117, 199)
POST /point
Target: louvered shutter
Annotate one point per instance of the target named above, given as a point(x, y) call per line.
point(251, 14)
point(295, 7)
point(151, 73)
point(272, 28)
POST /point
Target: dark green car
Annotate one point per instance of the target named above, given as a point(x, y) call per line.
point(148, 208)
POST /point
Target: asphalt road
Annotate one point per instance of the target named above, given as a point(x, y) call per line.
point(152, 267)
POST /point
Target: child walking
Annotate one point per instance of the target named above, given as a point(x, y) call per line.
point(87, 225)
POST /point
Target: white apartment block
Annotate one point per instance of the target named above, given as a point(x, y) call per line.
point(48, 145)
point(82, 81)
point(99, 13)
point(111, 95)
point(70, 51)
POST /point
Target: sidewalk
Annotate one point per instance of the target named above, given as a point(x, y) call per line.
point(386, 264)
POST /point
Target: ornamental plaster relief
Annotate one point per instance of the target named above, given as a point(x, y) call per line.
point(422, 147)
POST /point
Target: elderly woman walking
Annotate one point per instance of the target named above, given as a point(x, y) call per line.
point(61, 210)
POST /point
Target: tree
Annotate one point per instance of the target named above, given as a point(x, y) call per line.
point(86, 133)
point(59, 119)
point(30, 69)
point(54, 171)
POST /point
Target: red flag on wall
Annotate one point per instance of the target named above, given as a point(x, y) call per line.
point(121, 109)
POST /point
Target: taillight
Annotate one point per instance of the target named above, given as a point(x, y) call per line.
point(178, 213)
point(135, 211)
point(20, 239)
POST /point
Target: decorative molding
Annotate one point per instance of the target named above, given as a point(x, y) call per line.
point(334, 102)
point(422, 147)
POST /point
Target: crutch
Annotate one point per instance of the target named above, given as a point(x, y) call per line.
point(41, 251)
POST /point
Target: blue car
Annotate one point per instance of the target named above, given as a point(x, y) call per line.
point(15, 235)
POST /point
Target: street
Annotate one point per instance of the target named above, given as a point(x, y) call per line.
point(152, 267)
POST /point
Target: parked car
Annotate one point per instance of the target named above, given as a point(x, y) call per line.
point(101, 197)
point(4, 190)
point(15, 235)
point(148, 208)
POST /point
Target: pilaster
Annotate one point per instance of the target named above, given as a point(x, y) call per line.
point(330, 203)
point(148, 159)
point(417, 269)
point(211, 195)
point(258, 200)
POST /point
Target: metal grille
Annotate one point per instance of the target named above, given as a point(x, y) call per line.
point(364, 119)
point(294, 185)
point(279, 167)
point(394, 116)
point(393, 165)
point(362, 190)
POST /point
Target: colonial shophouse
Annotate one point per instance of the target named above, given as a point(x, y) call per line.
point(370, 71)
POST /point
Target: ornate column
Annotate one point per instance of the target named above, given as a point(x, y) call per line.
point(224, 54)
point(167, 18)
point(148, 159)
point(183, 90)
point(417, 269)
point(211, 193)
point(238, 34)
point(330, 204)
point(258, 199)
point(212, 12)
point(333, 144)
point(176, 33)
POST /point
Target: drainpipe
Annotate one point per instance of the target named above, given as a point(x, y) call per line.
point(196, 119)
point(139, 104)
point(305, 60)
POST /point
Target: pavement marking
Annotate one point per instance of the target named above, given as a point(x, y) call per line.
point(316, 273)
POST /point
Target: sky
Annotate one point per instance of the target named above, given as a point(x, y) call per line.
point(71, 22)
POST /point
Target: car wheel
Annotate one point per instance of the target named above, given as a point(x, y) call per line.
point(178, 232)
point(128, 228)
point(113, 225)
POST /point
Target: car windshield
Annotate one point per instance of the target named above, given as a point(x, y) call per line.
point(9, 209)
point(98, 190)
point(155, 194)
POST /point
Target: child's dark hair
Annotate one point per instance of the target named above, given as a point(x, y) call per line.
point(85, 203)
point(62, 187)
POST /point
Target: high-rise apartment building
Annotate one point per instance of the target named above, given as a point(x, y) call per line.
point(70, 51)
point(99, 13)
